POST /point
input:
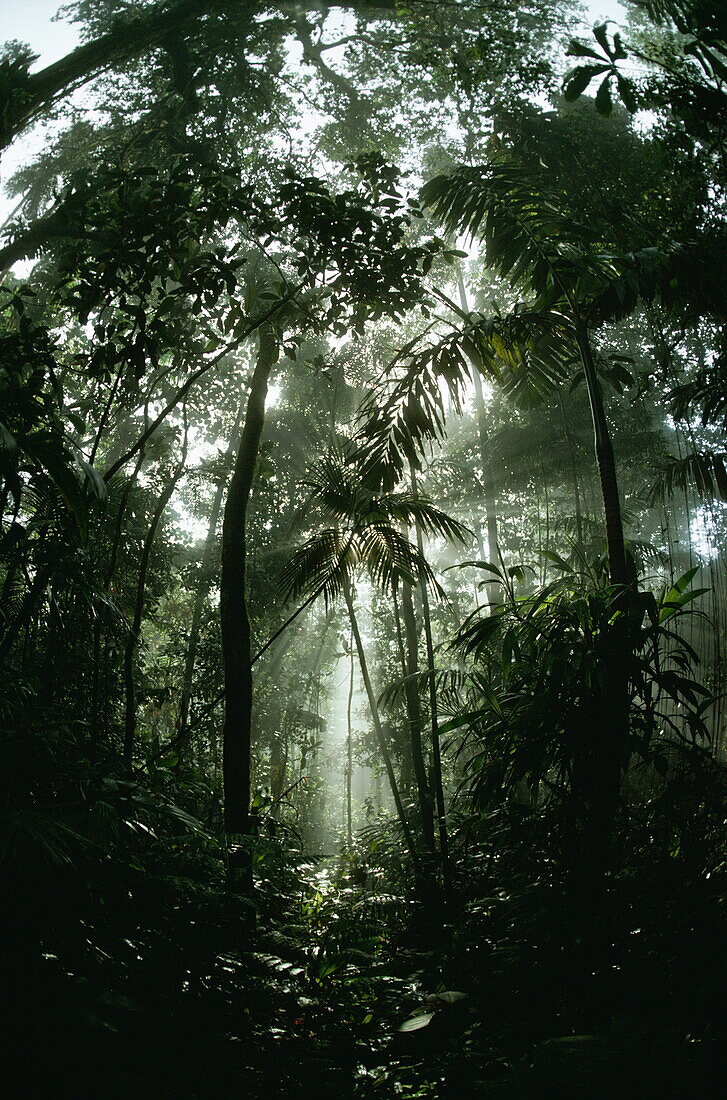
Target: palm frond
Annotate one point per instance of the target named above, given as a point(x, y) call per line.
point(705, 470)
point(706, 394)
point(323, 562)
point(527, 352)
point(333, 486)
point(390, 557)
point(448, 683)
point(416, 510)
point(515, 212)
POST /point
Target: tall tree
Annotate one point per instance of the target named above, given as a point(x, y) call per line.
point(234, 618)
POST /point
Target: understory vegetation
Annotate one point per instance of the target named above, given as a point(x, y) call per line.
point(363, 534)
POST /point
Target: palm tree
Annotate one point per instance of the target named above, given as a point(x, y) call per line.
point(360, 528)
point(569, 287)
point(570, 284)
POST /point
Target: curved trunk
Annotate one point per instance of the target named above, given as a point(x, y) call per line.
point(130, 38)
point(602, 773)
point(234, 618)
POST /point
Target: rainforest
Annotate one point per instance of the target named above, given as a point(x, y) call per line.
point(363, 548)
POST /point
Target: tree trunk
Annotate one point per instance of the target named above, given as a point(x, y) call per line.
point(606, 462)
point(349, 752)
point(609, 754)
point(134, 633)
point(434, 719)
point(601, 756)
point(493, 542)
point(201, 594)
point(108, 577)
point(415, 719)
point(488, 485)
point(132, 37)
point(383, 748)
point(234, 618)
point(407, 765)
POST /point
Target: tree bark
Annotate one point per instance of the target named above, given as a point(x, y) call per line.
point(349, 751)
point(135, 631)
point(434, 719)
point(129, 39)
point(378, 728)
point(234, 617)
point(606, 462)
point(415, 719)
point(201, 594)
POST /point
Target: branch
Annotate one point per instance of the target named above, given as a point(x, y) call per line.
point(129, 38)
point(194, 377)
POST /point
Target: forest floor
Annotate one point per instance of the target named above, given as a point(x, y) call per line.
point(341, 995)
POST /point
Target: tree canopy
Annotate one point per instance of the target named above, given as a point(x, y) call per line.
point(362, 550)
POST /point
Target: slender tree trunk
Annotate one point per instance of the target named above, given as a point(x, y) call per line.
point(378, 728)
point(235, 621)
point(135, 631)
point(606, 463)
point(313, 678)
point(415, 719)
point(277, 757)
point(574, 471)
point(600, 758)
point(349, 751)
point(201, 595)
point(493, 541)
point(609, 757)
point(488, 485)
point(434, 719)
point(407, 764)
point(108, 577)
point(477, 528)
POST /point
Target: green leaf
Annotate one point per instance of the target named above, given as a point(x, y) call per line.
point(7, 441)
point(485, 565)
point(450, 996)
point(604, 103)
point(600, 33)
point(562, 564)
point(416, 1023)
point(627, 92)
point(576, 82)
point(579, 49)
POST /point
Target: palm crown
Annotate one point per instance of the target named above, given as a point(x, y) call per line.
point(361, 528)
